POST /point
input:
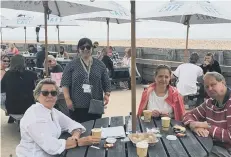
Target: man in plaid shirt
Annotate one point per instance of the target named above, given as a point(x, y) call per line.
point(213, 117)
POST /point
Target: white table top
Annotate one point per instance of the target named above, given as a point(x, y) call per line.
point(63, 60)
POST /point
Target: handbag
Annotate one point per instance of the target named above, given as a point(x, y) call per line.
point(96, 107)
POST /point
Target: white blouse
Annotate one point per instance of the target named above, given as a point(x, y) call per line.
point(158, 103)
point(40, 129)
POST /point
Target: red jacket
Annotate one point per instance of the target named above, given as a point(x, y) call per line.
point(174, 99)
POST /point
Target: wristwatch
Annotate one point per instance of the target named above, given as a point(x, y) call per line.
point(107, 94)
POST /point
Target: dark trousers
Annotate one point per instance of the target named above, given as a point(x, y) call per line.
point(81, 115)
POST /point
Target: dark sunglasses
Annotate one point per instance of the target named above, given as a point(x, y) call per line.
point(46, 93)
point(6, 61)
point(88, 47)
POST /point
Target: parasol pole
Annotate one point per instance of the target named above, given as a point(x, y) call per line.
point(133, 63)
point(25, 37)
point(58, 39)
point(45, 5)
point(108, 32)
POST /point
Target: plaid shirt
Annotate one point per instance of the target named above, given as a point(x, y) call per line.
point(218, 118)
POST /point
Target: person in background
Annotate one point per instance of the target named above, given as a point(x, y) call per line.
point(12, 49)
point(107, 61)
point(42, 125)
point(109, 51)
point(95, 48)
point(84, 79)
point(62, 53)
point(162, 98)
point(187, 75)
point(96, 44)
point(53, 66)
point(213, 117)
point(18, 84)
point(32, 49)
point(5, 63)
point(40, 57)
point(127, 63)
point(210, 64)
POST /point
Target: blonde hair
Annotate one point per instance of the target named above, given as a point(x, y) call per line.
point(39, 86)
point(128, 51)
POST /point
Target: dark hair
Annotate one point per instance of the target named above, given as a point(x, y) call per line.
point(5, 56)
point(162, 66)
point(17, 63)
point(210, 54)
point(84, 41)
point(194, 57)
point(61, 47)
point(110, 47)
point(31, 46)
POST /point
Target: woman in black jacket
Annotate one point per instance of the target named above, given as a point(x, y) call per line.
point(107, 61)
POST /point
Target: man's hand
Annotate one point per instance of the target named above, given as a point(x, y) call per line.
point(194, 125)
point(155, 113)
point(106, 99)
point(201, 132)
point(89, 140)
point(76, 134)
point(164, 114)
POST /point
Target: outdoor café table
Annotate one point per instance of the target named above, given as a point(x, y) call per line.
point(189, 146)
point(29, 56)
point(63, 61)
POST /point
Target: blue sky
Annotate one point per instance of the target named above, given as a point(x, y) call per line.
point(154, 29)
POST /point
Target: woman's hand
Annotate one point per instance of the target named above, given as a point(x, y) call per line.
point(164, 114)
point(201, 132)
point(89, 140)
point(69, 103)
point(194, 125)
point(70, 143)
point(155, 113)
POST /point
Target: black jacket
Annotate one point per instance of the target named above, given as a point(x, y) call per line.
point(210, 68)
point(40, 57)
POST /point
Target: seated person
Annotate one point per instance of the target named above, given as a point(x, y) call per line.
point(107, 61)
point(187, 74)
point(210, 64)
point(213, 117)
point(42, 125)
point(53, 66)
point(161, 98)
point(62, 53)
point(18, 84)
point(32, 49)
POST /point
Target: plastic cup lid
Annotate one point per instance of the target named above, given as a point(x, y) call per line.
point(171, 137)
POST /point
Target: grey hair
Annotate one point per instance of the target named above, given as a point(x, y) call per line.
point(39, 86)
point(216, 75)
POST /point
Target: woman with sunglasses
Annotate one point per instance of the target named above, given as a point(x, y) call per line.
point(18, 84)
point(53, 66)
point(5, 63)
point(42, 125)
point(84, 79)
point(161, 98)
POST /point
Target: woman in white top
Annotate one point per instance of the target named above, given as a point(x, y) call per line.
point(42, 125)
point(161, 98)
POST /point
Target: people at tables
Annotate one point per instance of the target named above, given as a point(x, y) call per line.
point(107, 61)
point(32, 49)
point(210, 64)
point(42, 125)
point(187, 75)
point(84, 79)
point(161, 98)
point(53, 66)
point(62, 53)
point(12, 49)
point(213, 117)
point(18, 84)
point(5, 63)
point(40, 57)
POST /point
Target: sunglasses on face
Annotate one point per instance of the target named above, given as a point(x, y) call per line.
point(6, 61)
point(88, 47)
point(46, 93)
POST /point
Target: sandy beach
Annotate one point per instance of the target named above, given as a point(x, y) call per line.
point(119, 105)
point(155, 43)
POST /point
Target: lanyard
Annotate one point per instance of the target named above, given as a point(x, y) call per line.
point(87, 70)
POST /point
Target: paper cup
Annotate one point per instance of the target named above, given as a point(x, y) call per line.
point(147, 115)
point(142, 149)
point(165, 122)
point(96, 132)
